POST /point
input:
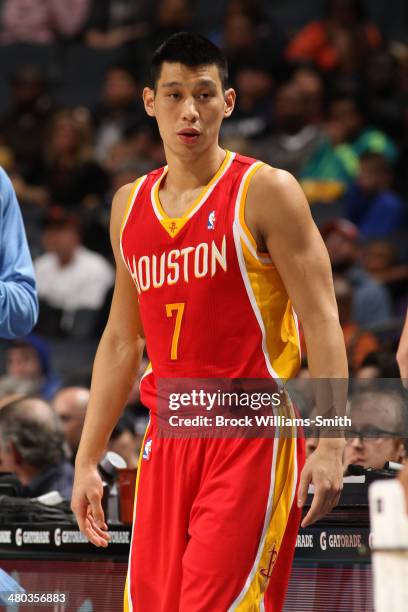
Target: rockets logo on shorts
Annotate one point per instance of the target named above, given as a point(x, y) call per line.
point(211, 220)
point(147, 451)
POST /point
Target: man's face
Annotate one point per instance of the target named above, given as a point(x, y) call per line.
point(189, 105)
point(23, 362)
point(120, 89)
point(376, 447)
point(373, 176)
point(62, 241)
point(127, 446)
point(7, 457)
point(72, 417)
point(341, 249)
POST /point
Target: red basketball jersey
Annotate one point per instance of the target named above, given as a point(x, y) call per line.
point(211, 305)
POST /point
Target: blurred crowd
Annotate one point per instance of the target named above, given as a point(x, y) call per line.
point(326, 100)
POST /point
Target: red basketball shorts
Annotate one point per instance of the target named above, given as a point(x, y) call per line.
point(215, 524)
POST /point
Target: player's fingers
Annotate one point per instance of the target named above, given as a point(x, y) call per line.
point(93, 535)
point(101, 532)
point(80, 510)
point(97, 510)
point(305, 479)
point(320, 503)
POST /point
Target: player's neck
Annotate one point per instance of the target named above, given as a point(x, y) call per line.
point(186, 174)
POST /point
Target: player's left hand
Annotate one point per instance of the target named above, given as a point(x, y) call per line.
point(325, 470)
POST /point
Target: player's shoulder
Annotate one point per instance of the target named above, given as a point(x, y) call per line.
point(274, 195)
point(266, 176)
point(270, 186)
point(124, 193)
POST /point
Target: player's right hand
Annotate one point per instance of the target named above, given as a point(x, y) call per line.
point(86, 504)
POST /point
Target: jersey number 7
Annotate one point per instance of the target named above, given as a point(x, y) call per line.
point(179, 310)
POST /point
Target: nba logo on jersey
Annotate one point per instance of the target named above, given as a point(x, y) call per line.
point(211, 220)
point(147, 449)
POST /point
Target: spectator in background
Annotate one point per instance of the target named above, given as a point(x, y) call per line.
point(384, 94)
point(254, 88)
point(70, 404)
point(119, 111)
point(370, 203)
point(377, 365)
point(359, 343)
point(350, 136)
point(251, 39)
point(72, 178)
point(325, 42)
point(115, 23)
point(41, 21)
point(169, 17)
point(125, 441)
point(371, 302)
point(70, 277)
point(312, 85)
point(28, 359)
point(378, 428)
point(293, 139)
point(18, 300)
point(381, 261)
point(23, 129)
point(32, 447)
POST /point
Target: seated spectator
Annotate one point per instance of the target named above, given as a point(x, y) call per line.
point(359, 343)
point(371, 302)
point(41, 21)
point(370, 203)
point(169, 17)
point(114, 23)
point(72, 177)
point(351, 136)
point(345, 137)
point(293, 139)
point(385, 97)
point(381, 261)
point(23, 130)
point(322, 42)
point(252, 115)
point(251, 39)
point(70, 277)
point(376, 365)
point(125, 441)
point(312, 85)
point(28, 361)
point(70, 404)
point(32, 448)
point(120, 111)
point(378, 428)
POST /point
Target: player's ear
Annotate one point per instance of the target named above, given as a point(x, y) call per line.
point(148, 101)
point(229, 97)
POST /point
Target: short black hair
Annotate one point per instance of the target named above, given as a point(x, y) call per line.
point(192, 50)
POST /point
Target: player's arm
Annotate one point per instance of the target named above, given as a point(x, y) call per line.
point(115, 368)
point(279, 217)
point(402, 353)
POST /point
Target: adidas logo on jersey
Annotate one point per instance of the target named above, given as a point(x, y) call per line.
point(211, 220)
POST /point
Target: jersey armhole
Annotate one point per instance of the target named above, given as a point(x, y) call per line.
point(130, 201)
point(263, 258)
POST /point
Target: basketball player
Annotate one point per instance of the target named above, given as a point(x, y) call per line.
point(211, 252)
